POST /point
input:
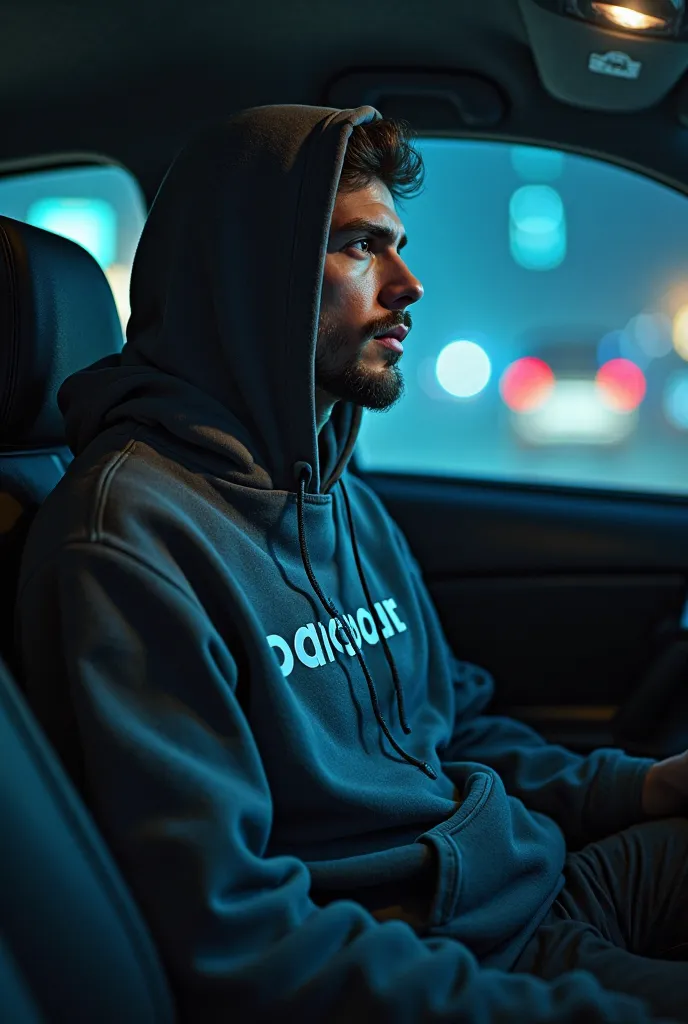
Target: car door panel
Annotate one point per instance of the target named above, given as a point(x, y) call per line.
point(569, 599)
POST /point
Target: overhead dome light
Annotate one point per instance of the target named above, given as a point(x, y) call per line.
point(652, 17)
point(627, 17)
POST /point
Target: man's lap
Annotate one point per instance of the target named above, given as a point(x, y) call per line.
point(623, 916)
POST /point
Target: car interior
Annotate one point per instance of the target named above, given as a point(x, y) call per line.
point(539, 466)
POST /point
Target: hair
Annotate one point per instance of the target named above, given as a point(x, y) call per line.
point(383, 151)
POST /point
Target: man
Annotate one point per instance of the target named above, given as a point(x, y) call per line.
point(233, 650)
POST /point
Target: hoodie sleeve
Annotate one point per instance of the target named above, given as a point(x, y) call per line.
point(588, 797)
point(176, 782)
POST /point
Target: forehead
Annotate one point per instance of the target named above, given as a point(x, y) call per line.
point(373, 203)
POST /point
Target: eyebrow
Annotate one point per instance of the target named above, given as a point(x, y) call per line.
point(368, 227)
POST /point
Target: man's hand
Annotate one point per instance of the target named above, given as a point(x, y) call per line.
point(665, 790)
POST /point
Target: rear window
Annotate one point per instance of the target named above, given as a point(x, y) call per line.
point(99, 206)
point(552, 342)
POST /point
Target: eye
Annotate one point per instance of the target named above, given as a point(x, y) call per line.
point(361, 241)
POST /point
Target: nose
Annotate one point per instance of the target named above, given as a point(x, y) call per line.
point(402, 289)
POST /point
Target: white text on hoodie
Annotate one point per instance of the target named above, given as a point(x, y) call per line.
point(314, 646)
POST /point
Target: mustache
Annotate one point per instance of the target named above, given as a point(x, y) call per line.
point(402, 319)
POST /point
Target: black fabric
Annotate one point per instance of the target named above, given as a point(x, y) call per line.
point(225, 300)
point(17, 1001)
point(623, 916)
point(74, 946)
point(346, 633)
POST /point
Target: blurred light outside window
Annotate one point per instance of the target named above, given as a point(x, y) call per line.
point(551, 346)
point(99, 206)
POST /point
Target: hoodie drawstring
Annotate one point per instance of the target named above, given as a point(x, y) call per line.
point(383, 640)
point(304, 471)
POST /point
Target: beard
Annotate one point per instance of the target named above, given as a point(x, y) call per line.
point(350, 380)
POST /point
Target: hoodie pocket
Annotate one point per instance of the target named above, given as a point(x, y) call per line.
point(476, 793)
point(496, 862)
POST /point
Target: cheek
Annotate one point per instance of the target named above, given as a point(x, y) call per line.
point(349, 295)
point(338, 298)
point(327, 291)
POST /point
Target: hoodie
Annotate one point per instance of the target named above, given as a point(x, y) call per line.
point(232, 648)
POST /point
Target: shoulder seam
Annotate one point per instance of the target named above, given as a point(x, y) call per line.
point(103, 489)
point(119, 550)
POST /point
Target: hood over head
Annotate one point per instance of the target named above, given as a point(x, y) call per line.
point(225, 299)
point(225, 307)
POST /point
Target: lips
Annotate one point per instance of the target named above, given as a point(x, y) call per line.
point(398, 333)
point(389, 342)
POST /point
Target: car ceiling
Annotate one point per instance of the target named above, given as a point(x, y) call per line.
point(133, 81)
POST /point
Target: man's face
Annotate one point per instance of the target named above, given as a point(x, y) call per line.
point(367, 289)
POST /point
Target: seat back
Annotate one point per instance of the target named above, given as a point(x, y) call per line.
point(73, 946)
point(57, 315)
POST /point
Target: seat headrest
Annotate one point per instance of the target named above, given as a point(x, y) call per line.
point(57, 315)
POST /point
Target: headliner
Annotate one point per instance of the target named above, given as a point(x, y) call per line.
point(133, 80)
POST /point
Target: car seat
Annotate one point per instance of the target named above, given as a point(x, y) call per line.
point(57, 314)
point(73, 945)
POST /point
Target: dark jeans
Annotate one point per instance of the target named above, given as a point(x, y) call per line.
point(623, 916)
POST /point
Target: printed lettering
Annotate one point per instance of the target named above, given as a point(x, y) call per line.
point(326, 641)
point(336, 626)
point(304, 633)
point(281, 644)
point(387, 629)
point(331, 627)
point(316, 643)
point(390, 605)
point(355, 630)
point(366, 624)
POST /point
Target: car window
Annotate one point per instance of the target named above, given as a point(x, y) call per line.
point(99, 206)
point(552, 342)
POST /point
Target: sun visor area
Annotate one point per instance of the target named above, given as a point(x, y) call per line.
point(430, 100)
point(585, 65)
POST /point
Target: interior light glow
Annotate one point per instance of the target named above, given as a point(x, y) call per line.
point(626, 17)
point(463, 369)
point(92, 223)
point(675, 400)
point(621, 384)
point(526, 384)
point(680, 332)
